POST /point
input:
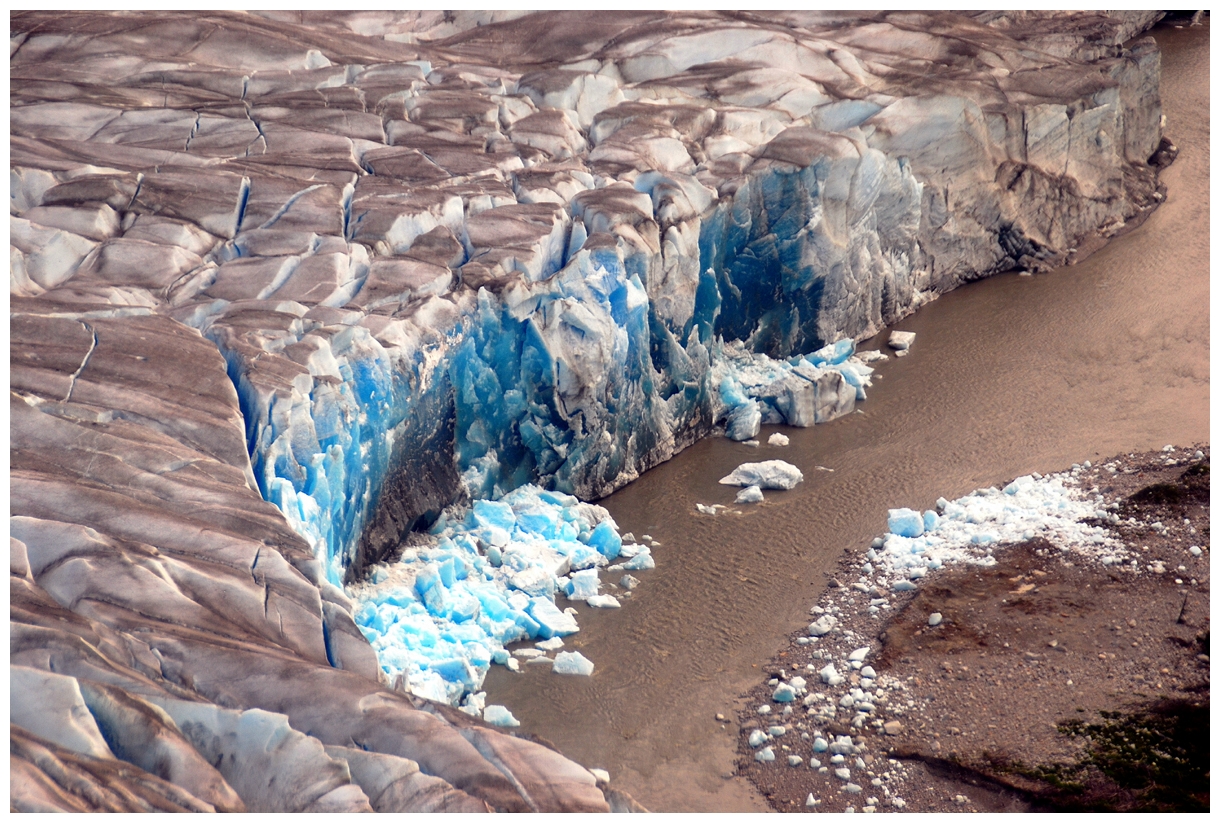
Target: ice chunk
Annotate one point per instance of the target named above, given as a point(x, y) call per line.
point(765, 755)
point(551, 621)
point(573, 663)
point(602, 775)
point(628, 582)
point(934, 619)
point(750, 494)
point(784, 693)
point(500, 716)
point(822, 625)
point(901, 340)
point(859, 654)
point(583, 585)
point(643, 560)
point(830, 676)
point(604, 601)
point(550, 645)
point(757, 738)
point(905, 523)
point(778, 439)
point(769, 474)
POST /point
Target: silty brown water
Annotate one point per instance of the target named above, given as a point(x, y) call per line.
point(1007, 376)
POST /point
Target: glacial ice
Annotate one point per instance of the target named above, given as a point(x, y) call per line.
point(769, 474)
point(384, 287)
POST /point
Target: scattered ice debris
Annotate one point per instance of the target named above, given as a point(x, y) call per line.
point(812, 801)
point(800, 391)
point(901, 340)
point(777, 439)
point(528, 654)
point(500, 716)
point(769, 474)
point(858, 654)
point(765, 755)
point(628, 582)
point(487, 578)
point(777, 731)
point(750, 494)
point(967, 529)
point(795, 760)
point(712, 510)
point(573, 663)
point(549, 645)
point(757, 738)
point(935, 618)
point(754, 444)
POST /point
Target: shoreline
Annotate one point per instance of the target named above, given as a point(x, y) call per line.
point(989, 709)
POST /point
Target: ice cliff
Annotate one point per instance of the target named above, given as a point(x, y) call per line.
point(364, 266)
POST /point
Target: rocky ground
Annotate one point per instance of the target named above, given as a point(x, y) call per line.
point(1051, 681)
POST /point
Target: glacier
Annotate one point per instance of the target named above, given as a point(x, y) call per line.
point(307, 292)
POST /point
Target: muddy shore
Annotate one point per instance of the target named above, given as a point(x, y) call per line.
point(1050, 680)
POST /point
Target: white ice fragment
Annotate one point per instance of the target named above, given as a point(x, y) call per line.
point(830, 675)
point(859, 654)
point(784, 693)
point(769, 474)
point(843, 773)
point(550, 645)
point(901, 340)
point(795, 760)
point(822, 626)
point(777, 439)
point(602, 775)
point(500, 716)
point(812, 801)
point(604, 601)
point(750, 494)
point(573, 663)
point(757, 738)
point(765, 755)
point(934, 619)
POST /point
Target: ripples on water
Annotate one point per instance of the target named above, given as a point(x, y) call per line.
point(1007, 376)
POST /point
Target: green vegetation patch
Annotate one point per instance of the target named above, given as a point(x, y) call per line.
point(1154, 760)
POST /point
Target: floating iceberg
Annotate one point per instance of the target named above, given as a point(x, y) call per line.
point(769, 474)
point(573, 663)
point(750, 494)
